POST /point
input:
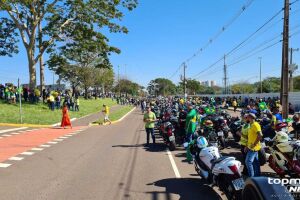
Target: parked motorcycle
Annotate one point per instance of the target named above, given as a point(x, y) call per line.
point(166, 130)
point(284, 156)
point(222, 171)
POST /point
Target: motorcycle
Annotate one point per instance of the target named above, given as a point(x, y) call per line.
point(235, 126)
point(222, 171)
point(210, 133)
point(166, 130)
point(284, 156)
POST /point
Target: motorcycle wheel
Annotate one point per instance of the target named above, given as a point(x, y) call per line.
point(225, 183)
point(222, 142)
point(172, 146)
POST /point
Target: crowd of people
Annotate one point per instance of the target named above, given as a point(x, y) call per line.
point(250, 136)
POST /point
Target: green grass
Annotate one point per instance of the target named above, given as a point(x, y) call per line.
point(117, 114)
point(40, 113)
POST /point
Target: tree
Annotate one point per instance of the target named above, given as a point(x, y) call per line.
point(127, 87)
point(59, 17)
point(269, 85)
point(296, 80)
point(161, 86)
point(243, 88)
point(193, 86)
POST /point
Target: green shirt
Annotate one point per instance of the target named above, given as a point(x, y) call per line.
point(152, 117)
point(190, 123)
point(244, 136)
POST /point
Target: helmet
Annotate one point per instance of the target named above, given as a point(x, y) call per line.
point(280, 126)
point(208, 123)
point(201, 142)
point(281, 137)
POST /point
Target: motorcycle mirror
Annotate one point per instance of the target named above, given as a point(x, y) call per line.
point(185, 145)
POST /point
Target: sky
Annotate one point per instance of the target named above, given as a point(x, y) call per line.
point(165, 33)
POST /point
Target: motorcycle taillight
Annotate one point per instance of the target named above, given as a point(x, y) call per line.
point(234, 169)
point(169, 132)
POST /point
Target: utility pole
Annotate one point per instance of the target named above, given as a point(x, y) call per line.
point(184, 81)
point(292, 69)
point(225, 76)
point(284, 93)
point(260, 74)
point(119, 86)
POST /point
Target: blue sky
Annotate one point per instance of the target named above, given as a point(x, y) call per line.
point(164, 33)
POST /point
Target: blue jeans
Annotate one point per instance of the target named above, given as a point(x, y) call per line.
point(150, 131)
point(252, 163)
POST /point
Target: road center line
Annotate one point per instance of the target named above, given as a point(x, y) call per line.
point(175, 169)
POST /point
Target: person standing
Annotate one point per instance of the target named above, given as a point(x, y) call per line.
point(253, 146)
point(76, 104)
point(244, 141)
point(190, 123)
point(106, 113)
point(234, 104)
point(149, 119)
point(65, 117)
point(51, 99)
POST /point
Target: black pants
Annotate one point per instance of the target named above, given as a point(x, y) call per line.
point(150, 131)
point(234, 108)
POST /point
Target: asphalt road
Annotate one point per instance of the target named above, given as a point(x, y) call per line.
point(105, 162)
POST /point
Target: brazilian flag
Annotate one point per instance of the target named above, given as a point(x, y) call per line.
point(263, 106)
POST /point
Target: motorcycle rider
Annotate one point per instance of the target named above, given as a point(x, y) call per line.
point(149, 119)
point(253, 146)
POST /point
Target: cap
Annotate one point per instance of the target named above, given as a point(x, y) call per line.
point(252, 115)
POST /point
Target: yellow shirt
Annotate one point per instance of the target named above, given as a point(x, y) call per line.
point(234, 103)
point(252, 136)
point(106, 110)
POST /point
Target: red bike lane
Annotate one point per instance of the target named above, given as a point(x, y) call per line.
point(16, 144)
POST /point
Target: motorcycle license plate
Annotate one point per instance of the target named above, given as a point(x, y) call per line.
point(220, 133)
point(172, 138)
point(238, 184)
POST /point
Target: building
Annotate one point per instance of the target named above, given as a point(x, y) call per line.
point(213, 83)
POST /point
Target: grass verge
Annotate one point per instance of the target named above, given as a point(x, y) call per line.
point(116, 115)
point(40, 113)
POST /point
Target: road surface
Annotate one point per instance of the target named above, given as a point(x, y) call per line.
point(97, 162)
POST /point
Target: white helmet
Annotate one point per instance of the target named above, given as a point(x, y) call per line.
point(202, 142)
point(281, 137)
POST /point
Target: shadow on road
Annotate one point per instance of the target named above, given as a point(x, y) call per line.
point(158, 147)
point(186, 188)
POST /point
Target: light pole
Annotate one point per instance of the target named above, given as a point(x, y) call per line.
point(260, 74)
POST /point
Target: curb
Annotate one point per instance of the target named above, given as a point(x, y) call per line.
point(58, 123)
point(116, 121)
point(113, 122)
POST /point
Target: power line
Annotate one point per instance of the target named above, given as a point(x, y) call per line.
point(244, 41)
point(212, 39)
point(225, 27)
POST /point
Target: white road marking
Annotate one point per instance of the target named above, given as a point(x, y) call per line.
point(4, 165)
point(12, 129)
point(6, 135)
point(52, 142)
point(45, 145)
point(27, 153)
point(1, 137)
point(63, 137)
point(16, 158)
point(15, 133)
point(59, 140)
point(69, 135)
point(175, 169)
point(37, 149)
